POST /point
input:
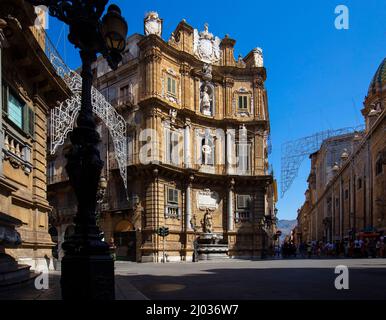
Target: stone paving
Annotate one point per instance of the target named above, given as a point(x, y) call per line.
point(233, 280)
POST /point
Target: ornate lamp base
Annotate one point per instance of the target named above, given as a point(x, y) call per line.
point(88, 277)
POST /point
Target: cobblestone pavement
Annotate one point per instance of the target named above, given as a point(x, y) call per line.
point(233, 279)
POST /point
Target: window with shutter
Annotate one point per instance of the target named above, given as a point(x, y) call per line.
point(243, 201)
point(243, 152)
point(15, 110)
point(171, 87)
point(243, 207)
point(243, 104)
point(172, 196)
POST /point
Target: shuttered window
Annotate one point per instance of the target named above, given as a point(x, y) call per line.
point(243, 103)
point(243, 152)
point(15, 110)
point(172, 196)
point(243, 201)
point(171, 86)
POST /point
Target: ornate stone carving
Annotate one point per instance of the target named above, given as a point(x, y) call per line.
point(153, 24)
point(173, 115)
point(258, 57)
point(240, 62)
point(258, 82)
point(206, 47)
point(207, 222)
point(207, 72)
point(206, 99)
point(207, 200)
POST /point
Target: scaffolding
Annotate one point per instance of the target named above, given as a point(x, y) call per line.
point(294, 152)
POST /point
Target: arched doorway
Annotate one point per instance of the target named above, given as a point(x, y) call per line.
point(125, 240)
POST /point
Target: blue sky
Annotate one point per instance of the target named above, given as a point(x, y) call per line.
point(317, 76)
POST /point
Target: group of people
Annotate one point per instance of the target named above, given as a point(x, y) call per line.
point(358, 248)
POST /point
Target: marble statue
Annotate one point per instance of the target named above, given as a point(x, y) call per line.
point(206, 101)
point(208, 222)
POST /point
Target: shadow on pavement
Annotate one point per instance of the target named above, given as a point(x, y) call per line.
point(262, 284)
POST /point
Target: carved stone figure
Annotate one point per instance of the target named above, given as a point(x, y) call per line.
point(258, 57)
point(173, 115)
point(207, 72)
point(207, 222)
point(153, 24)
point(206, 100)
point(206, 46)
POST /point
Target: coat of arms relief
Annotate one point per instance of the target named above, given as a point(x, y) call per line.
point(206, 46)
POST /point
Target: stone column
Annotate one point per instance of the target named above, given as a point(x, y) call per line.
point(187, 150)
point(230, 206)
point(229, 154)
point(188, 204)
point(228, 84)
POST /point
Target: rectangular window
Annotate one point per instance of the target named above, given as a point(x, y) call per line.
point(171, 86)
point(243, 154)
point(243, 201)
point(124, 91)
point(243, 103)
point(15, 110)
point(243, 207)
point(172, 196)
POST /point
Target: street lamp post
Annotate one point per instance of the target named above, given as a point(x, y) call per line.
point(193, 223)
point(87, 267)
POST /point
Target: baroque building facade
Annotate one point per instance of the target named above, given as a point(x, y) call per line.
point(346, 195)
point(29, 86)
point(197, 142)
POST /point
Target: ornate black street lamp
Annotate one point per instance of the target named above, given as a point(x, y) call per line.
point(87, 267)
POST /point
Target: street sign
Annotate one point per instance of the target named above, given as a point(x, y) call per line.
point(163, 232)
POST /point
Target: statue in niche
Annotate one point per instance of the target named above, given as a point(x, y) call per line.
point(206, 100)
point(207, 223)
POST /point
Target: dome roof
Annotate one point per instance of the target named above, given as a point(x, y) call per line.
point(379, 79)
